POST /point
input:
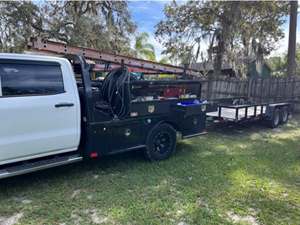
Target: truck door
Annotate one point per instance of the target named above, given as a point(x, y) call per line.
point(39, 109)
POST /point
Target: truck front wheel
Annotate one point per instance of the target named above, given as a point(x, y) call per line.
point(161, 142)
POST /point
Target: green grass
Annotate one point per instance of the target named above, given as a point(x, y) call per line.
point(237, 175)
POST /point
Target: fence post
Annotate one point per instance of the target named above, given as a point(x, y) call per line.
point(209, 87)
point(293, 89)
point(286, 90)
point(249, 88)
point(261, 89)
point(277, 88)
point(269, 84)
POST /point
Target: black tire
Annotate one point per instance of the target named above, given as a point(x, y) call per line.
point(275, 121)
point(284, 115)
point(161, 142)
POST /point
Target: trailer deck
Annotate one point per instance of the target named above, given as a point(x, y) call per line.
point(238, 112)
point(273, 114)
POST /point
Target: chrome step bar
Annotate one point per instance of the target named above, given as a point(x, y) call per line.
point(38, 165)
point(194, 135)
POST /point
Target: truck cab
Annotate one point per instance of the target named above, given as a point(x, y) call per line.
point(39, 107)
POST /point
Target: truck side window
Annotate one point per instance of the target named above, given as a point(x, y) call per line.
point(30, 79)
point(0, 87)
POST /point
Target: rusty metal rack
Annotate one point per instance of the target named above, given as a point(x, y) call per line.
point(148, 67)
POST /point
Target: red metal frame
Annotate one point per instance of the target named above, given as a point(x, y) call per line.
point(134, 64)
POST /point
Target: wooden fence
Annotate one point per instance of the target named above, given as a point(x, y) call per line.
point(259, 90)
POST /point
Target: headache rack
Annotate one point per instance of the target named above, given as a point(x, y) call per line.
point(134, 64)
point(140, 96)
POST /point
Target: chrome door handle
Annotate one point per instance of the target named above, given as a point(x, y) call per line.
point(64, 104)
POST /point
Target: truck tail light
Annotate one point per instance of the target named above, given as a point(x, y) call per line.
point(94, 155)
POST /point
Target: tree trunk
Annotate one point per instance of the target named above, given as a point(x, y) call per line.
point(292, 39)
point(228, 22)
point(219, 56)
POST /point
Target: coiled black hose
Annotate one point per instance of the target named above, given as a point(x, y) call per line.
point(116, 92)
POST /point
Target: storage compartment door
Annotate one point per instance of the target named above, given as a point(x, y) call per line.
point(191, 117)
point(127, 134)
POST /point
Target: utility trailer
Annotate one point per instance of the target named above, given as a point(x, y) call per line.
point(241, 110)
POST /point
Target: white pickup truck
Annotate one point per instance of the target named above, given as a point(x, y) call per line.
point(52, 113)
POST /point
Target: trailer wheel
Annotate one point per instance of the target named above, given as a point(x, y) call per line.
point(284, 115)
point(161, 142)
point(274, 122)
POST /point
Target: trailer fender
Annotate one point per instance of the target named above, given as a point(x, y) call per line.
point(164, 121)
point(272, 107)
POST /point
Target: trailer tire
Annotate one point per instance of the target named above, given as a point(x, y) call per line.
point(161, 142)
point(275, 120)
point(284, 115)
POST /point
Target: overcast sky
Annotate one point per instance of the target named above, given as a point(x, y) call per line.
point(147, 14)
